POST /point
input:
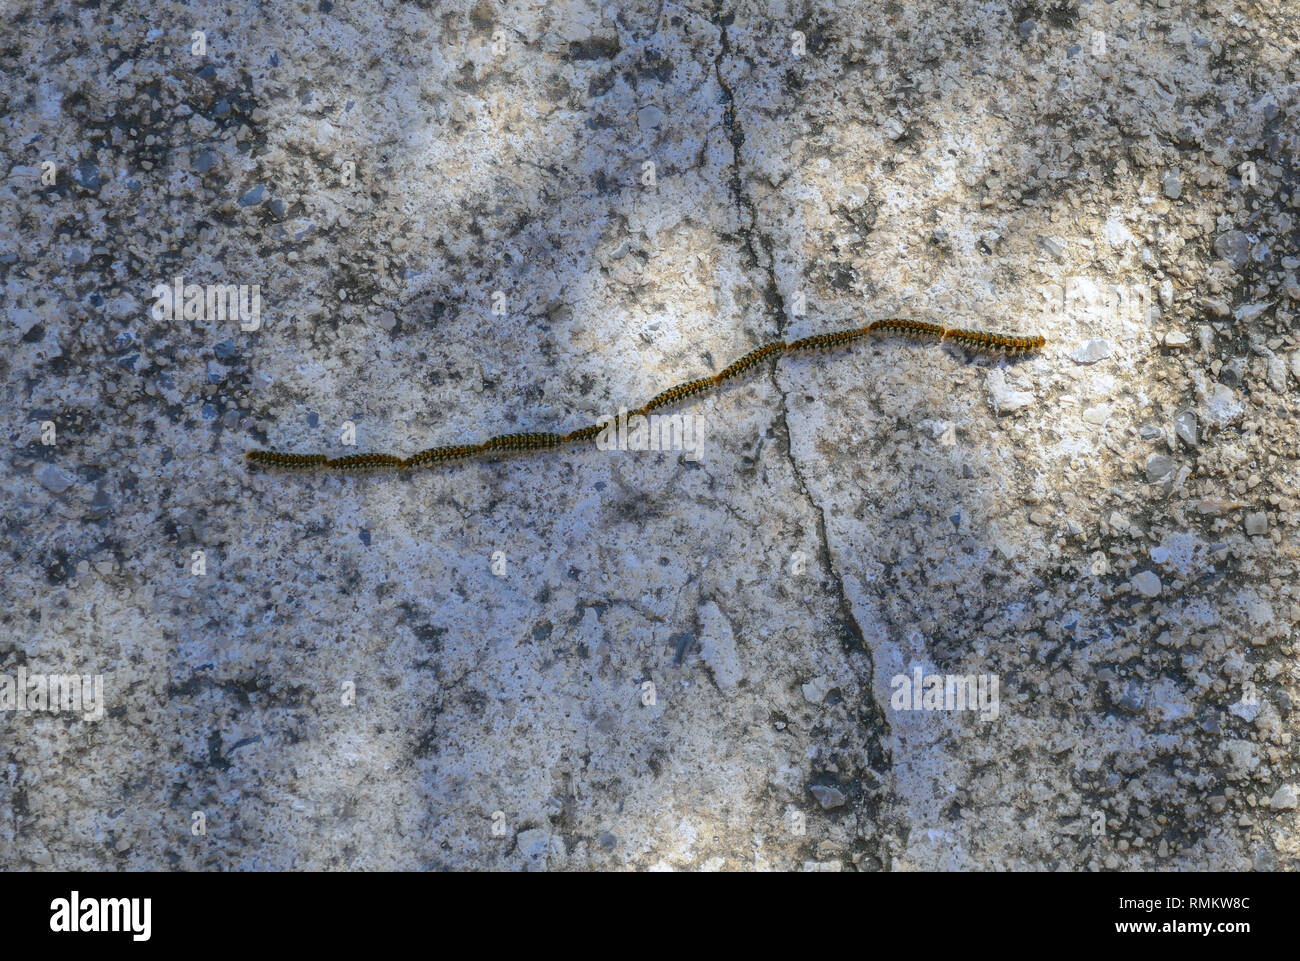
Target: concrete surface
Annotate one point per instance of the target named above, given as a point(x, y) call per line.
point(631, 660)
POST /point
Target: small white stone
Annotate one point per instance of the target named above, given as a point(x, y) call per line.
point(1257, 524)
point(1115, 231)
point(1091, 352)
point(1177, 339)
point(1005, 399)
point(1285, 799)
point(534, 845)
point(1096, 415)
point(55, 478)
point(815, 691)
point(1146, 583)
point(1247, 712)
point(828, 797)
point(1277, 374)
point(1242, 758)
point(1248, 312)
point(1159, 467)
point(1185, 427)
point(1222, 406)
point(649, 117)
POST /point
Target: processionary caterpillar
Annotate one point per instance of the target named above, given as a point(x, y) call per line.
point(270, 458)
point(978, 340)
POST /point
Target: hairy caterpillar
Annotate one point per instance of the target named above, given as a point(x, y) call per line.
point(674, 394)
point(440, 455)
point(749, 360)
point(822, 341)
point(974, 339)
point(270, 458)
point(506, 443)
point(364, 462)
point(981, 340)
point(908, 328)
point(524, 442)
point(585, 433)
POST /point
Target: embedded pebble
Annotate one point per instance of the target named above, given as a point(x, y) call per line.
point(1246, 710)
point(1257, 524)
point(1005, 398)
point(1146, 583)
point(1242, 758)
point(815, 691)
point(1159, 467)
point(534, 845)
point(649, 117)
point(1284, 798)
point(1234, 247)
point(1173, 185)
point(54, 478)
point(1091, 352)
point(828, 797)
point(1222, 406)
point(1176, 339)
point(1277, 373)
point(1185, 427)
point(1052, 246)
point(1248, 312)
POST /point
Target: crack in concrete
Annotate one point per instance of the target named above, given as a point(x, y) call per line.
point(874, 721)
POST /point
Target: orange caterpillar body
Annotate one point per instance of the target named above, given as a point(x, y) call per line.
point(981, 340)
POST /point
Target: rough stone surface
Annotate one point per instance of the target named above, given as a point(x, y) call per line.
point(478, 217)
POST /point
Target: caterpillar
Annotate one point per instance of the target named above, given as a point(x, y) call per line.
point(585, 433)
point(908, 328)
point(749, 360)
point(978, 340)
point(674, 394)
point(441, 455)
point(974, 339)
point(270, 458)
point(981, 340)
point(364, 462)
point(821, 341)
point(524, 442)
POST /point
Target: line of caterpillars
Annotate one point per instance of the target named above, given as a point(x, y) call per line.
point(507, 443)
